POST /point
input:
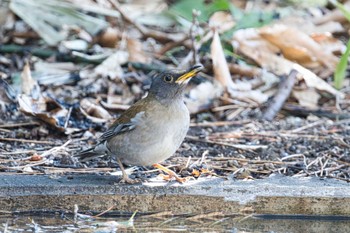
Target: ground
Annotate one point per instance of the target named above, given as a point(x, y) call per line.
point(242, 149)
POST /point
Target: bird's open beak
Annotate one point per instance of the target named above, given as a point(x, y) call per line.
point(189, 74)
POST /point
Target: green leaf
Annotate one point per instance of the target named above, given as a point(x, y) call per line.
point(236, 13)
point(255, 19)
point(340, 71)
point(184, 8)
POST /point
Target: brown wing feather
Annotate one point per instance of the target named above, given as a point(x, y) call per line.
point(123, 123)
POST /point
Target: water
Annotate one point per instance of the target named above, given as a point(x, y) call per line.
point(162, 223)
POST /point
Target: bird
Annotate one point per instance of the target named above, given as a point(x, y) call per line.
point(152, 129)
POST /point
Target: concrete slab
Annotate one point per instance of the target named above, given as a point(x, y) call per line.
point(276, 195)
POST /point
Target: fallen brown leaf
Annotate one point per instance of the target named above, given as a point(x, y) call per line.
point(220, 67)
point(29, 86)
point(221, 21)
point(93, 111)
point(307, 98)
point(111, 67)
point(135, 50)
point(297, 46)
point(249, 42)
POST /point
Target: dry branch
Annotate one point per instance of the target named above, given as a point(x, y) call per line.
point(282, 95)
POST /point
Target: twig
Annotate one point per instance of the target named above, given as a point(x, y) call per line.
point(294, 156)
point(53, 170)
point(17, 152)
point(167, 221)
point(330, 169)
point(5, 130)
point(205, 153)
point(324, 166)
point(251, 161)
point(19, 168)
point(67, 117)
point(170, 46)
point(312, 163)
point(43, 155)
point(219, 123)
point(56, 149)
point(160, 36)
point(283, 93)
point(188, 162)
point(313, 124)
point(26, 141)
point(304, 111)
point(103, 212)
point(196, 218)
point(278, 135)
point(236, 170)
point(237, 146)
point(195, 46)
point(159, 215)
point(45, 53)
point(19, 124)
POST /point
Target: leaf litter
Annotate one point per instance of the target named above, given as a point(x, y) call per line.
point(99, 66)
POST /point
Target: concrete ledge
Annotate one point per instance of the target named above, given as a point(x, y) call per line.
point(277, 195)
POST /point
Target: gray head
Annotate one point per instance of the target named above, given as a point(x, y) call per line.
point(170, 85)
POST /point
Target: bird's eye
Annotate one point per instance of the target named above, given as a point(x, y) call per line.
point(168, 78)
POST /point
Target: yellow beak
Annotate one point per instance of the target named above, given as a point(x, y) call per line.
point(189, 74)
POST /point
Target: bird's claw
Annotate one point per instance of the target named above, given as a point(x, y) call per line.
point(168, 177)
point(127, 180)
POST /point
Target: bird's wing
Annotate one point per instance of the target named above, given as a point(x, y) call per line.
point(128, 121)
point(118, 128)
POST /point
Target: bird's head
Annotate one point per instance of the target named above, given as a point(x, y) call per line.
point(171, 84)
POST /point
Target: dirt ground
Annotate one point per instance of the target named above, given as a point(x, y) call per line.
point(59, 94)
point(241, 149)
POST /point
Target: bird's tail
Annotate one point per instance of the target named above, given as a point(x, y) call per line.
point(96, 151)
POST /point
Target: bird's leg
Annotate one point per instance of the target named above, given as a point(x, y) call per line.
point(169, 172)
point(125, 178)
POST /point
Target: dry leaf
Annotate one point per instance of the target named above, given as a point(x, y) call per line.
point(255, 95)
point(222, 74)
point(135, 50)
point(76, 45)
point(309, 27)
point(221, 21)
point(29, 86)
point(32, 103)
point(329, 43)
point(201, 97)
point(245, 70)
point(45, 109)
point(307, 98)
point(312, 80)
point(220, 67)
point(115, 107)
point(297, 46)
point(328, 28)
point(94, 112)
point(111, 67)
point(248, 42)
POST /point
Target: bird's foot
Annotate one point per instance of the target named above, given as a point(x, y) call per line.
point(170, 174)
point(168, 177)
point(128, 180)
